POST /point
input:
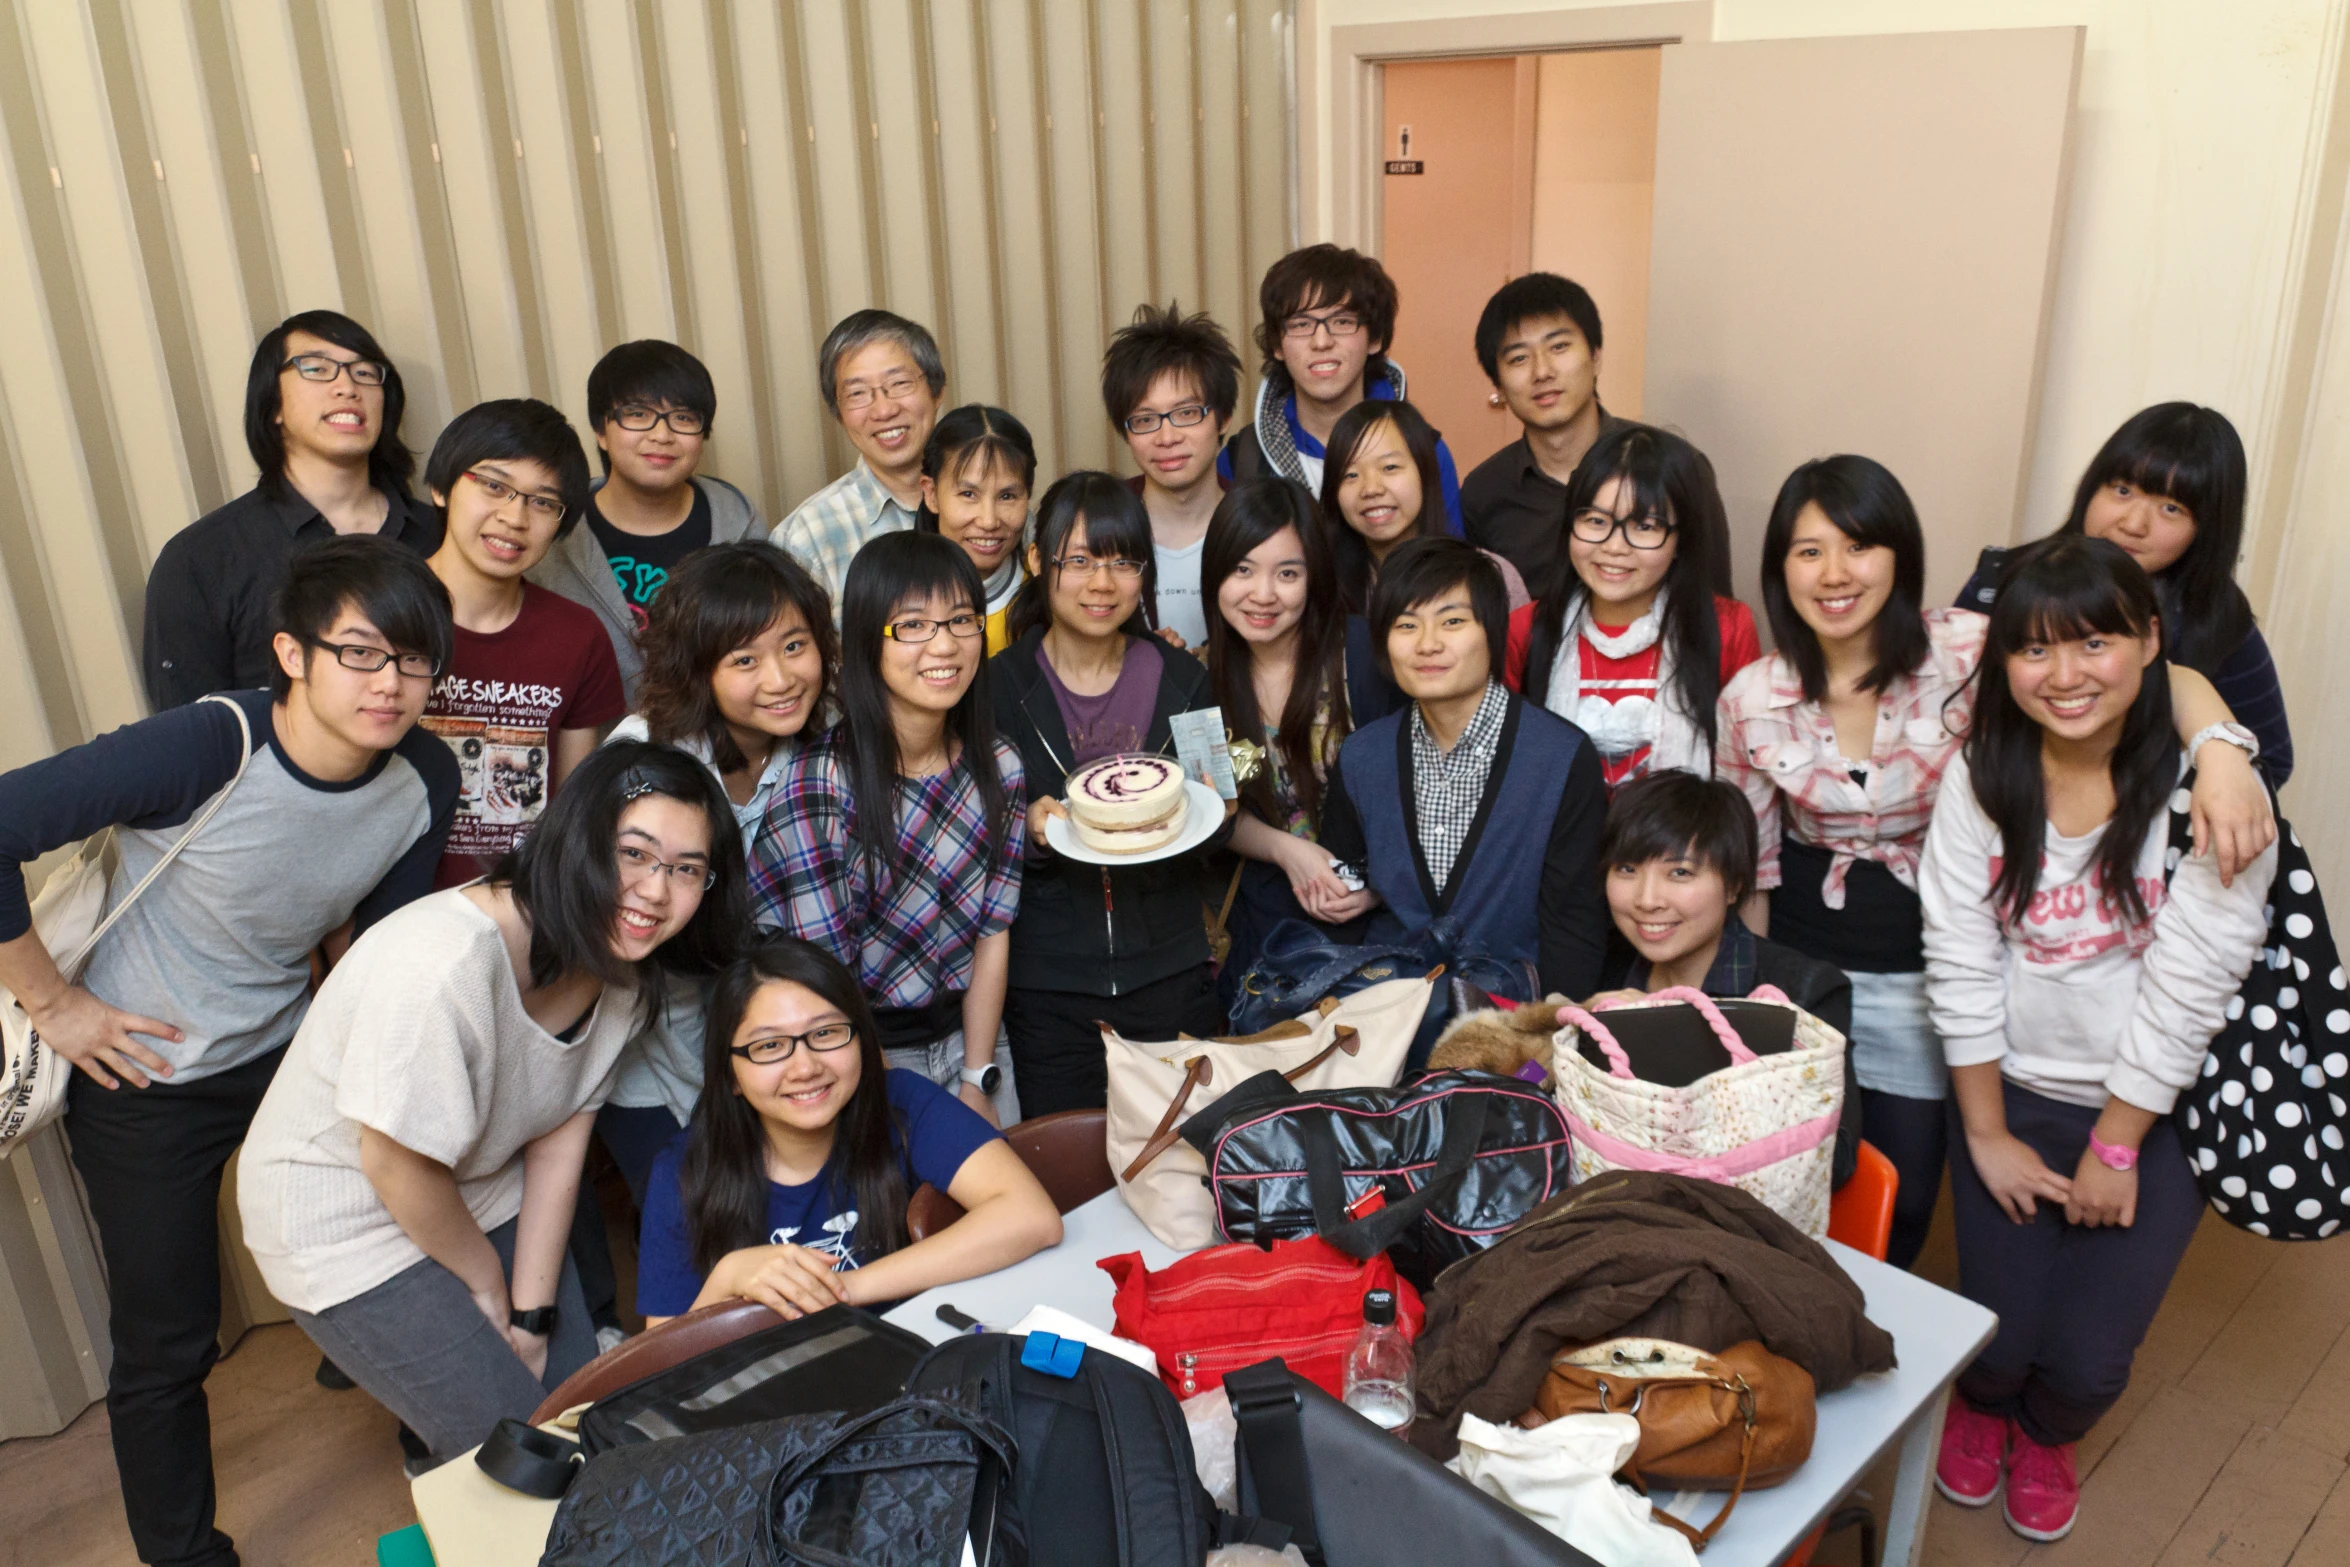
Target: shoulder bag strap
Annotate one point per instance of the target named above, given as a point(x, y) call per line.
point(244, 756)
point(1367, 1237)
point(1266, 1406)
point(991, 1440)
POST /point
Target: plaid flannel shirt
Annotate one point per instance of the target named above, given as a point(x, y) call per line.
point(1448, 786)
point(914, 938)
point(1781, 752)
point(828, 528)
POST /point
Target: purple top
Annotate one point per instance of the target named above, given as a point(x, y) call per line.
point(1118, 719)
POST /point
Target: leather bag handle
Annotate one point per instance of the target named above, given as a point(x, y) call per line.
point(1700, 1538)
point(1197, 1071)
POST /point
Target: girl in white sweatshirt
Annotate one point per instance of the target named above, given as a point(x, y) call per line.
point(2076, 981)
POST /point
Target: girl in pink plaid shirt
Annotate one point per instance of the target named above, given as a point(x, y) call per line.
point(1839, 741)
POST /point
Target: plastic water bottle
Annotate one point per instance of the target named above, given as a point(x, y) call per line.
point(1379, 1367)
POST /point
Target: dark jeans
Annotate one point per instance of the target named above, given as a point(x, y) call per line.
point(2073, 1303)
point(151, 1160)
point(419, 1344)
point(633, 1135)
point(1057, 1050)
point(1912, 1133)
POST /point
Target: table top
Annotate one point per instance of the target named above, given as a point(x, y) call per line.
point(1935, 1333)
point(474, 1522)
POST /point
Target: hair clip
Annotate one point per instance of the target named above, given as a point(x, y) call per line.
point(637, 787)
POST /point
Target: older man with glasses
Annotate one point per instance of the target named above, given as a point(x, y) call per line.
point(322, 420)
point(882, 377)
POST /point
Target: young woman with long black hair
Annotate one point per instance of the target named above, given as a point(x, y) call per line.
point(978, 471)
point(2076, 980)
point(1276, 651)
point(2169, 487)
point(1084, 678)
point(1636, 639)
point(736, 653)
point(790, 1189)
point(1839, 741)
point(1381, 488)
point(895, 839)
point(407, 1188)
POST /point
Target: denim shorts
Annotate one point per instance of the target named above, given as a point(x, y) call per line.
point(1894, 1047)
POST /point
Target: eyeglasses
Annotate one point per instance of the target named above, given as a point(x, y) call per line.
point(1086, 565)
point(965, 625)
point(325, 367)
point(1642, 533)
point(771, 1048)
point(852, 398)
point(1338, 323)
point(368, 660)
point(636, 865)
point(1182, 418)
point(546, 508)
point(684, 421)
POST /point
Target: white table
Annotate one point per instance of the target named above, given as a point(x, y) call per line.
point(1935, 1334)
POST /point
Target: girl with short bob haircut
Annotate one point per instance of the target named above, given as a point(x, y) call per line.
point(1839, 741)
point(790, 1189)
point(1277, 661)
point(1636, 639)
point(978, 471)
point(895, 839)
point(408, 1185)
point(1381, 487)
point(737, 651)
point(2076, 981)
point(1095, 945)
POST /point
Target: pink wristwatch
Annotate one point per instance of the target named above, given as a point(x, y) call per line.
point(2111, 1157)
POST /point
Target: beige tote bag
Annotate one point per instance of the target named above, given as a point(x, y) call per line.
point(1357, 1042)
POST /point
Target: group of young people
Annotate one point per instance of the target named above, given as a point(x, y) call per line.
point(564, 809)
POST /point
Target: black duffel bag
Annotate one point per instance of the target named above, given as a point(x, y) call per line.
point(1459, 1157)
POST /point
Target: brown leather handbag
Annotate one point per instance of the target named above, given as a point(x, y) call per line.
point(1707, 1422)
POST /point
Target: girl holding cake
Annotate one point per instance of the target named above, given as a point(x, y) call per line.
point(1084, 681)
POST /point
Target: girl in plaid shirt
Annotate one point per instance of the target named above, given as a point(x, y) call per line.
point(1839, 741)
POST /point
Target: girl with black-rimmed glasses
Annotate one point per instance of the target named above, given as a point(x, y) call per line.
point(790, 1188)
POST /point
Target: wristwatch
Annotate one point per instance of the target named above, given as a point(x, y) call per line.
point(984, 1078)
point(2236, 735)
point(539, 1320)
point(2112, 1157)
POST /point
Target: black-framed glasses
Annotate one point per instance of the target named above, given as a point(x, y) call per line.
point(325, 367)
point(1182, 418)
point(852, 398)
point(369, 660)
point(637, 417)
point(1645, 532)
point(546, 508)
point(918, 629)
point(1086, 565)
point(771, 1048)
point(1338, 323)
point(638, 865)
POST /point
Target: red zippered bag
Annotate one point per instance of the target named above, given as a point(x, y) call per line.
point(1227, 1307)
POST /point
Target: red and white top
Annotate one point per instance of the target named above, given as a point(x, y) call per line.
point(1781, 752)
point(1615, 700)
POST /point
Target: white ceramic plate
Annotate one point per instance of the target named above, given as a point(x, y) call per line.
point(1207, 814)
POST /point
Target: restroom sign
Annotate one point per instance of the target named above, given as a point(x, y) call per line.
point(1406, 166)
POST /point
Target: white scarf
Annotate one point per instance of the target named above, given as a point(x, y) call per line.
point(1620, 726)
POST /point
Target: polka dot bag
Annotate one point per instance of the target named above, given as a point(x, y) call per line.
point(2267, 1122)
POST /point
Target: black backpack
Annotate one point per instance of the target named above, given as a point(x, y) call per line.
point(2266, 1123)
point(1104, 1474)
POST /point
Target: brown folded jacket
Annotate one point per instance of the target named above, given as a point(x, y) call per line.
point(1630, 1253)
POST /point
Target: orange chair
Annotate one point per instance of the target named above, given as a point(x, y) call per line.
point(1068, 1152)
point(1860, 1216)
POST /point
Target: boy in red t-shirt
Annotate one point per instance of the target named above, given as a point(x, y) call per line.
point(533, 678)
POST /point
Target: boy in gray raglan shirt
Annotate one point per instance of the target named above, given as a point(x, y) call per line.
point(190, 999)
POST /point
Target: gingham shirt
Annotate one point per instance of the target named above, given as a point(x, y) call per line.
point(914, 939)
point(830, 526)
point(1447, 787)
point(1781, 752)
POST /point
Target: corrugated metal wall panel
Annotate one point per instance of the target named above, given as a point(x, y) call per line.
point(503, 188)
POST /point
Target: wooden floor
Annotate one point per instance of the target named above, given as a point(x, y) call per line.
point(2230, 1447)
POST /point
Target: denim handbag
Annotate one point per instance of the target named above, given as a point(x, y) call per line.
point(1300, 964)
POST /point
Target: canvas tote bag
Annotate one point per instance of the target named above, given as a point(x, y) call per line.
point(1358, 1041)
point(1765, 1122)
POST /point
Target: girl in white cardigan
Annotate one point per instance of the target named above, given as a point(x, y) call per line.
point(2075, 981)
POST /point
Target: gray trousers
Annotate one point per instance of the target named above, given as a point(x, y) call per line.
point(420, 1346)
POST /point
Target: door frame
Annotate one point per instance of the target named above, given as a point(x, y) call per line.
point(1357, 114)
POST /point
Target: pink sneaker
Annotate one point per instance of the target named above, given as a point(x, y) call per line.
point(1973, 1444)
point(2043, 1492)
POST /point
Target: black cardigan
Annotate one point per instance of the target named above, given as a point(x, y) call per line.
point(1089, 929)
